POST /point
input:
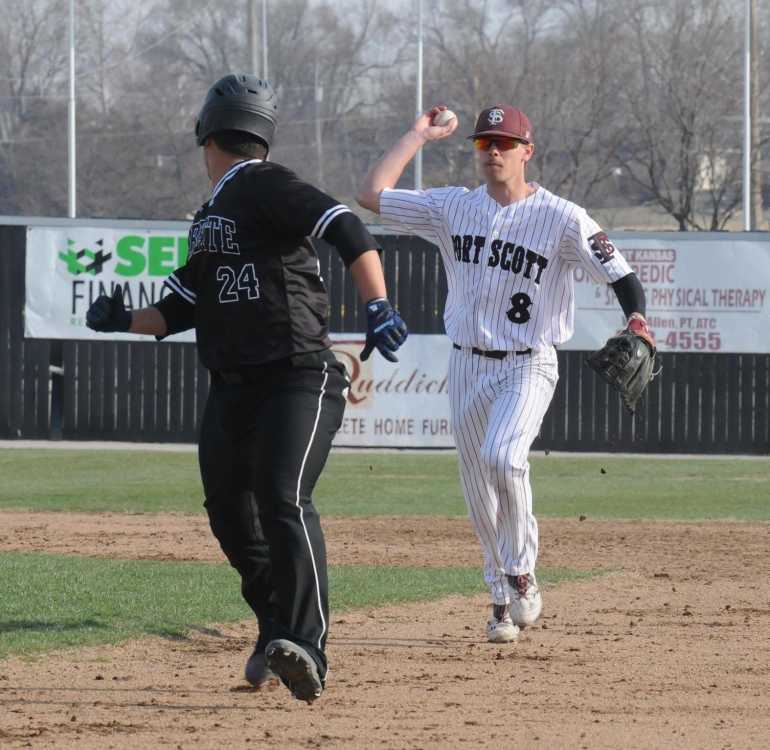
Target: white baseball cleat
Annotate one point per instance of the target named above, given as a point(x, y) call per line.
point(526, 602)
point(500, 628)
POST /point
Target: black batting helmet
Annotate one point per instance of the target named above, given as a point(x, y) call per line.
point(239, 102)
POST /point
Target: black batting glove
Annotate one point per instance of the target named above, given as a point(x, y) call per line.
point(108, 314)
point(385, 330)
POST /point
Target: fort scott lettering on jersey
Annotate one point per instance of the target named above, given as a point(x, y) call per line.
point(505, 255)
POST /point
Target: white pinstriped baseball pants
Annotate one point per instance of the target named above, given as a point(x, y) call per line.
point(497, 409)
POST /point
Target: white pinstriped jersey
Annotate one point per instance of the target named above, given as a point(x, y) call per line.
point(509, 268)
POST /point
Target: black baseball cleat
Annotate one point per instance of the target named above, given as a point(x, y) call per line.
point(295, 668)
point(257, 673)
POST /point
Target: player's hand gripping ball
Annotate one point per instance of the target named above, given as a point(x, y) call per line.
point(627, 361)
point(444, 117)
point(108, 314)
point(385, 330)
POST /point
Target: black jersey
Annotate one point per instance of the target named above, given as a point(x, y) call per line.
point(252, 278)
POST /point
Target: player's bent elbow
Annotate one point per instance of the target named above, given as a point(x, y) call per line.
point(369, 199)
point(350, 236)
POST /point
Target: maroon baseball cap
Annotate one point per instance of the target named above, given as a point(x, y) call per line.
point(504, 121)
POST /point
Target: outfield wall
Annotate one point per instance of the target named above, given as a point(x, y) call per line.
point(713, 396)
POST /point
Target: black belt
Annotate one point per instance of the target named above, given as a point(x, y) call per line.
point(242, 377)
point(493, 353)
point(255, 374)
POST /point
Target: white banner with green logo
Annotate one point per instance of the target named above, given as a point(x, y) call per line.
point(67, 269)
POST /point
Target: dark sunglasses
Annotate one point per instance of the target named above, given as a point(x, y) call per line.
point(501, 144)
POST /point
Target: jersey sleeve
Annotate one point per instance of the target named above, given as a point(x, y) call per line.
point(178, 313)
point(297, 207)
point(181, 281)
point(178, 307)
point(414, 211)
point(585, 243)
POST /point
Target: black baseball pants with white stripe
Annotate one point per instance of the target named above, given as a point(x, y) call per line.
point(263, 445)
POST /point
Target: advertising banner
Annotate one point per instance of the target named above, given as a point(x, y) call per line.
point(706, 292)
point(399, 405)
point(67, 269)
point(389, 405)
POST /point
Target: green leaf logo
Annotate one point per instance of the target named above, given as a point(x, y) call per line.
point(85, 260)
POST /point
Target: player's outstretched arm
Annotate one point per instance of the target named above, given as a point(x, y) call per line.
point(109, 314)
point(387, 171)
point(149, 321)
point(368, 277)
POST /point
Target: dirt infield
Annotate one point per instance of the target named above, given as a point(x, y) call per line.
point(671, 648)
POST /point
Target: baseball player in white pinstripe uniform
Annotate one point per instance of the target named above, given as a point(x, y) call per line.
point(509, 248)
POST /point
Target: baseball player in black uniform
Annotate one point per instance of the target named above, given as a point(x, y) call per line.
point(251, 288)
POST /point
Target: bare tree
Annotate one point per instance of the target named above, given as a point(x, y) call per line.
point(554, 60)
point(478, 54)
point(318, 62)
point(31, 61)
point(323, 60)
point(648, 87)
point(682, 95)
point(574, 89)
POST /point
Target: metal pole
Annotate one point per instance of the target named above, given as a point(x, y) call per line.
point(418, 108)
point(747, 119)
point(71, 164)
point(757, 209)
point(319, 95)
point(264, 40)
point(253, 36)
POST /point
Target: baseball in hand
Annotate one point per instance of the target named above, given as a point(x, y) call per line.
point(444, 117)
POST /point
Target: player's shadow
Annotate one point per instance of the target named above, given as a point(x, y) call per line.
point(48, 626)
point(63, 698)
point(401, 642)
point(184, 633)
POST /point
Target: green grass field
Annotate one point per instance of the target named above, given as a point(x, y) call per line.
point(49, 601)
point(52, 601)
point(396, 484)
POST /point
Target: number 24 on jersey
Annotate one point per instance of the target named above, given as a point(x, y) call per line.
point(236, 285)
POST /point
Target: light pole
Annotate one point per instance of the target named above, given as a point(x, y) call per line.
point(71, 165)
point(747, 118)
point(253, 37)
point(252, 34)
point(264, 40)
point(319, 96)
point(757, 209)
point(418, 108)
